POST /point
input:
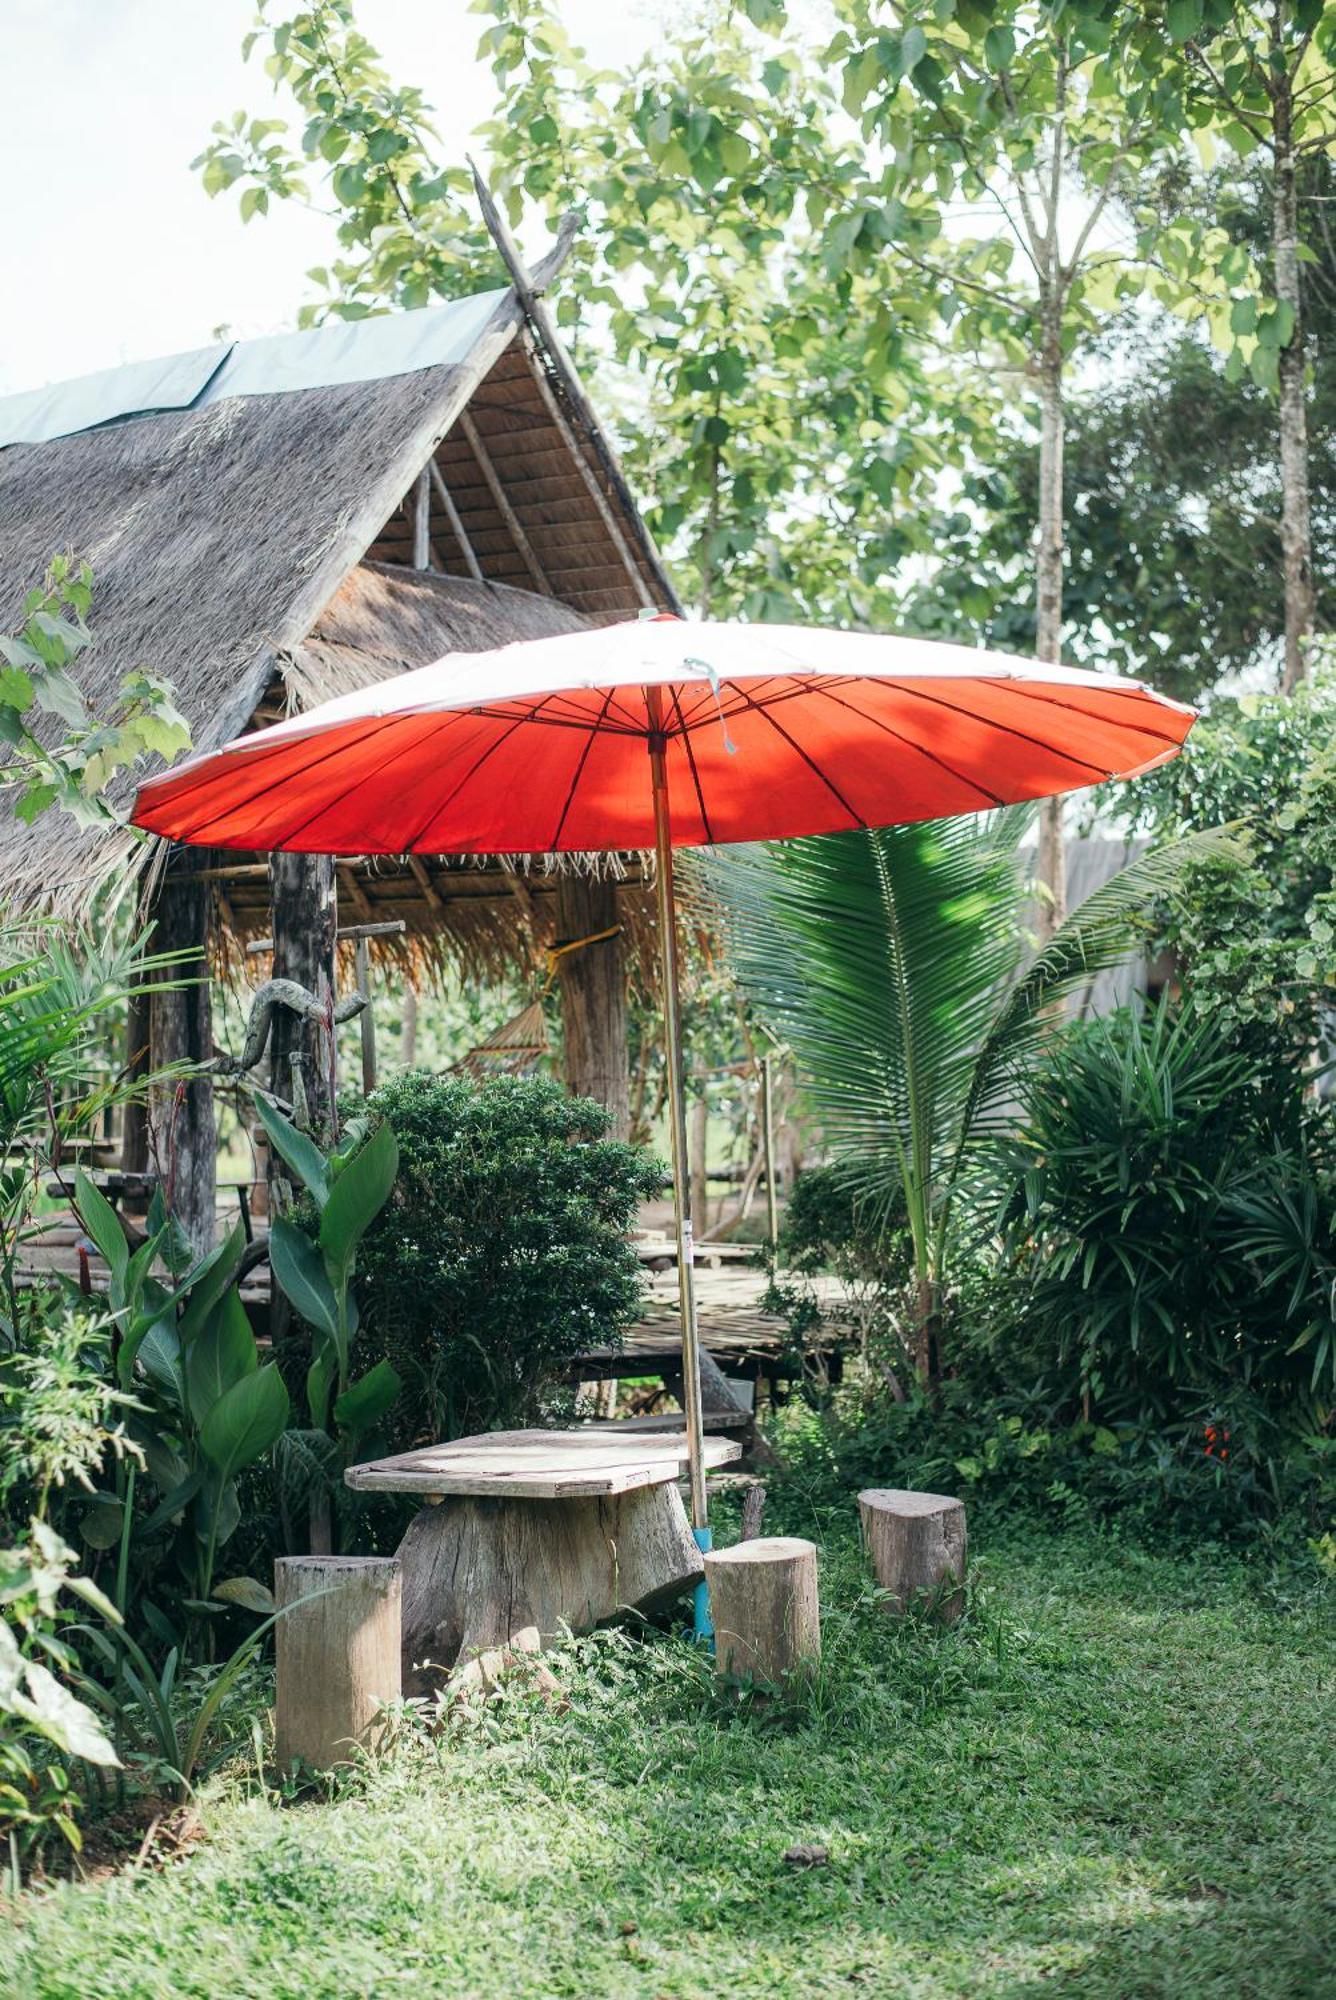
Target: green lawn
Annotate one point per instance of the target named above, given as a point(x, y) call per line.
point(1113, 1778)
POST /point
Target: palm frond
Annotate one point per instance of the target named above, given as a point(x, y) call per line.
point(878, 957)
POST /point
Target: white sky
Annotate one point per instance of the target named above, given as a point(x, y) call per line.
point(112, 252)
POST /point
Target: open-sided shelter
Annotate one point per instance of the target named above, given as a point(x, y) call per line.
point(272, 522)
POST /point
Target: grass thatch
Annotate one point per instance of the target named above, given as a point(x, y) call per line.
point(226, 547)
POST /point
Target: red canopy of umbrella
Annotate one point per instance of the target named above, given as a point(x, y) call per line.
point(767, 731)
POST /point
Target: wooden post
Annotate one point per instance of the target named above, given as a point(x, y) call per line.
point(763, 1600)
point(422, 521)
point(443, 494)
point(367, 1020)
point(303, 900)
point(408, 1028)
point(336, 1655)
point(592, 982)
point(918, 1545)
point(501, 501)
point(304, 909)
point(182, 1133)
point(134, 1113)
point(768, 1140)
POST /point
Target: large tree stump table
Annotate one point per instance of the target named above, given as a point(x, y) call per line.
point(526, 1532)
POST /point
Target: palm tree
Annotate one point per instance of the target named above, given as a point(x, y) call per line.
point(894, 965)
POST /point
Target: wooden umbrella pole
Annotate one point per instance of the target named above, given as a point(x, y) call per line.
point(677, 1123)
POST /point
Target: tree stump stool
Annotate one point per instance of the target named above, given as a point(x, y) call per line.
point(529, 1532)
point(763, 1603)
point(917, 1544)
point(336, 1656)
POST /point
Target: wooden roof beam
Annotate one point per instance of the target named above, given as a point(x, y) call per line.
point(456, 525)
point(529, 289)
point(501, 501)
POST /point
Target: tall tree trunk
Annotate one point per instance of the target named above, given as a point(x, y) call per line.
point(592, 982)
point(1295, 529)
point(925, 1330)
point(1051, 859)
point(303, 900)
point(182, 1133)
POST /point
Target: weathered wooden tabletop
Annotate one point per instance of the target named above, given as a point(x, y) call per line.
point(537, 1465)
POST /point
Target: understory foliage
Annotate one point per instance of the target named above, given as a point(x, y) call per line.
point(1258, 942)
point(1171, 1225)
point(56, 751)
point(503, 1250)
point(892, 964)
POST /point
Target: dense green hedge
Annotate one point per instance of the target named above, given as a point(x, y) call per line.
point(504, 1249)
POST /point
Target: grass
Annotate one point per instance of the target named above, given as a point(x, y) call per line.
point(1111, 1779)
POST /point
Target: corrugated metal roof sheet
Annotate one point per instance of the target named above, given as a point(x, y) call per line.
point(340, 352)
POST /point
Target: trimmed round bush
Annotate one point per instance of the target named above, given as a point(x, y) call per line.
point(504, 1250)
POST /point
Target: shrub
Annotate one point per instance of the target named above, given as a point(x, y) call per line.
point(1222, 1470)
point(46, 1732)
point(504, 1249)
point(1173, 1228)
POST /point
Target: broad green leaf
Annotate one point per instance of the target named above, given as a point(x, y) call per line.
point(320, 1378)
point(299, 1271)
point(206, 1284)
point(358, 1196)
point(300, 1153)
point(222, 1351)
point(245, 1422)
point(1183, 18)
point(247, 1592)
point(173, 1503)
point(99, 1219)
point(362, 1406)
point(159, 1355)
point(100, 1523)
point(63, 1720)
point(11, 1667)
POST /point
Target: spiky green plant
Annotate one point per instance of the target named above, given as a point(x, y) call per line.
point(894, 965)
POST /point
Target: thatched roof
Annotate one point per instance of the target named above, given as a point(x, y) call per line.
point(252, 548)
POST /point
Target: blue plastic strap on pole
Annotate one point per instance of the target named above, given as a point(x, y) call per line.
point(702, 1627)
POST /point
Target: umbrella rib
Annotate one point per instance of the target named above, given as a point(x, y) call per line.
point(910, 744)
point(440, 805)
point(695, 774)
point(810, 761)
point(330, 804)
point(1071, 708)
point(263, 759)
point(1023, 735)
point(578, 773)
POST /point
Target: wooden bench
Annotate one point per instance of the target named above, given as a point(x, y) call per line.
point(528, 1532)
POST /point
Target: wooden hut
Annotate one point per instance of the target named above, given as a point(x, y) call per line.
point(273, 522)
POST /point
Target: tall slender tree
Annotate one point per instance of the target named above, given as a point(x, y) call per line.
point(771, 391)
point(1008, 146)
point(1264, 77)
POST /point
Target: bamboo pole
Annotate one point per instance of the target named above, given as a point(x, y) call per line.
point(446, 499)
point(677, 1120)
point(501, 500)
